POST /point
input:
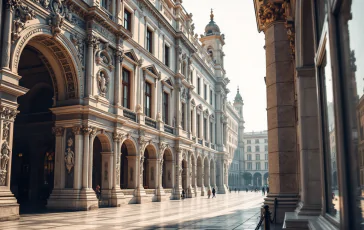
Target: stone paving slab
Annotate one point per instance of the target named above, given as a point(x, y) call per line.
point(229, 211)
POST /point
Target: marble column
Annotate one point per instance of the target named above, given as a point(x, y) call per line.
point(59, 167)
point(202, 179)
point(178, 175)
point(92, 44)
point(8, 21)
point(282, 134)
point(107, 174)
point(8, 203)
point(194, 178)
point(117, 197)
point(161, 196)
point(117, 91)
point(91, 155)
point(77, 182)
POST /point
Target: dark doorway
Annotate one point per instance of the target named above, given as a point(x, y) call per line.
point(34, 144)
point(124, 167)
point(97, 164)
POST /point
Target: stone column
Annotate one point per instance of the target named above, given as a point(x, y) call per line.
point(118, 63)
point(188, 123)
point(202, 178)
point(77, 183)
point(281, 113)
point(92, 45)
point(132, 172)
point(194, 178)
point(86, 155)
point(178, 175)
point(140, 192)
point(309, 151)
point(91, 155)
point(161, 196)
point(8, 21)
point(107, 177)
point(117, 197)
point(59, 180)
point(207, 129)
point(8, 204)
point(178, 108)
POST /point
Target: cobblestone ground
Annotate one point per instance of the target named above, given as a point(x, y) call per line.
point(229, 211)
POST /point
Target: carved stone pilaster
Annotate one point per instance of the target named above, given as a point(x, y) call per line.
point(93, 41)
point(58, 131)
point(8, 113)
point(77, 130)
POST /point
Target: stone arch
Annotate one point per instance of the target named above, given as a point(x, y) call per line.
point(150, 178)
point(128, 169)
point(257, 179)
point(248, 177)
point(60, 57)
point(167, 177)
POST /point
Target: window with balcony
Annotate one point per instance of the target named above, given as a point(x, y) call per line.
point(266, 165)
point(183, 116)
point(165, 107)
point(256, 141)
point(266, 148)
point(148, 99)
point(198, 125)
point(257, 157)
point(257, 149)
point(149, 41)
point(127, 20)
point(249, 166)
point(210, 97)
point(249, 157)
point(205, 128)
point(257, 165)
point(205, 92)
point(249, 149)
point(126, 88)
point(199, 86)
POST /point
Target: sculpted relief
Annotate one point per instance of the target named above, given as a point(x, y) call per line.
point(69, 157)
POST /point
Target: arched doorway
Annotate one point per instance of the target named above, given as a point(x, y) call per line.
point(128, 173)
point(167, 169)
point(247, 179)
point(34, 144)
point(257, 180)
point(199, 171)
point(265, 179)
point(102, 165)
point(184, 175)
point(206, 173)
point(150, 166)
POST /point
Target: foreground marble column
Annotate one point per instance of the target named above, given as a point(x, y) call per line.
point(117, 197)
point(178, 175)
point(282, 138)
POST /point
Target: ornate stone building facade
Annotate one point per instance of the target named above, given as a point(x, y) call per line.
point(120, 95)
point(314, 79)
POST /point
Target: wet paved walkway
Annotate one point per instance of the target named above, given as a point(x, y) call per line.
point(229, 211)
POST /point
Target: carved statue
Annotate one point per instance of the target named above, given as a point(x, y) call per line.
point(103, 83)
point(161, 165)
point(141, 165)
point(69, 157)
point(4, 159)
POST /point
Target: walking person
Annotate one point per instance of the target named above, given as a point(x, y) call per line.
point(209, 193)
point(267, 190)
point(98, 192)
point(235, 190)
point(263, 191)
point(246, 189)
point(213, 192)
point(183, 194)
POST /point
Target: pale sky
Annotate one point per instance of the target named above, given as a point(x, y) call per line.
point(245, 55)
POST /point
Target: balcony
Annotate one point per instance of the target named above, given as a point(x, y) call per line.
point(168, 129)
point(129, 114)
point(150, 122)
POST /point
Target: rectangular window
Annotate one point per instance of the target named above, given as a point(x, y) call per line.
point(148, 99)
point(183, 116)
point(257, 166)
point(126, 88)
point(165, 107)
point(256, 141)
point(249, 157)
point(266, 165)
point(257, 157)
point(249, 149)
point(211, 124)
point(210, 97)
point(198, 125)
point(248, 141)
point(192, 77)
point(257, 149)
point(127, 20)
point(205, 91)
point(191, 120)
point(265, 140)
point(266, 156)
point(205, 128)
point(249, 166)
point(198, 86)
point(266, 148)
point(215, 100)
point(166, 55)
point(149, 41)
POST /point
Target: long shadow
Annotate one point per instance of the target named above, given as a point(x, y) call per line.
point(239, 219)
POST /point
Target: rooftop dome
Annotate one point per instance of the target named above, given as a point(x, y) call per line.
point(212, 28)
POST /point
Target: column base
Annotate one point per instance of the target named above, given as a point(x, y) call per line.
point(203, 191)
point(117, 198)
point(190, 192)
point(285, 203)
point(222, 189)
point(140, 196)
point(176, 194)
point(308, 210)
point(160, 195)
point(9, 206)
point(73, 199)
point(294, 221)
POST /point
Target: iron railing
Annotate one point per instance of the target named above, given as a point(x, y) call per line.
point(168, 129)
point(266, 216)
point(200, 141)
point(150, 122)
point(129, 114)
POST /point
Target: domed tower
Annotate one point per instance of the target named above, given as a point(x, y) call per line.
point(213, 41)
point(239, 103)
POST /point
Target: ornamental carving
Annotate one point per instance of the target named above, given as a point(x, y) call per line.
point(80, 47)
point(6, 129)
point(117, 174)
point(271, 12)
point(141, 165)
point(21, 16)
point(8, 113)
point(69, 157)
point(161, 166)
point(162, 147)
point(103, 57)
point(103, 83)
point(4, 159)
point(58, 13)
point(93, 41)
point(58, 131)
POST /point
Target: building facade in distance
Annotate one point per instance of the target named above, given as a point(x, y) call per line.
point(121, 95)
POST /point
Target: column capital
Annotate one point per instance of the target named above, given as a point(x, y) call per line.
point(8, 113)
point(58, 131)
point(271, 11)
point(92, 41)
point(77, 130)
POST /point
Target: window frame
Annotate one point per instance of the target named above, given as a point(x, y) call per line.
point(146, 95)
point(128, 86)
point(149, 40)
point(165, 113)
point(127, 21)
